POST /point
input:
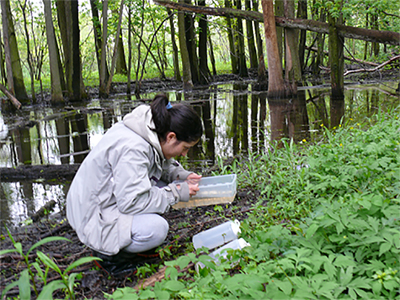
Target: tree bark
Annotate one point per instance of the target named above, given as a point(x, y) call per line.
point(385, 37)
point(103, 62)
point(191, 44)
point(232, 50)
point(204, 72)
point(97, 35)
point(240, 49)
point(302, 14)
point(186, 72)
point(14, 70)
point(56, 86)
point(293, 69)
point(250, 39)
point(177, 73)
point(276, 86)
point(336, 60)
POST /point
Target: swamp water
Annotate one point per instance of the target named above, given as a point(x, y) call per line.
point(236, 120)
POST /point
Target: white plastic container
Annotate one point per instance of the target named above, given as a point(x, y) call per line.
point(222, 252)
point(212, 190)
point(217, 235)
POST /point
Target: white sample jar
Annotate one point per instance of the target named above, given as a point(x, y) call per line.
point(222, 252)
point(217, 235)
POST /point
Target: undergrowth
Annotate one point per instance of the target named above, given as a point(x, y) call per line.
point(326, 225)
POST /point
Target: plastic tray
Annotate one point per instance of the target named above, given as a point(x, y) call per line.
point(213, 190)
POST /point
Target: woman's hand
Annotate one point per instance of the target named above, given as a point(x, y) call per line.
point(193, 183)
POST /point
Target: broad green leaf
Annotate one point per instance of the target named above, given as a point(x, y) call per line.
point(174, 285)
point(79, 262)
point(311, 230)
point(376, 287)
point(162, 295)
point(391, 285)
point(385, 247)
point(24, 285)
point(284, 285)
point(48, 289)
point(183, 261)
point(144, 294)
point(47, 240)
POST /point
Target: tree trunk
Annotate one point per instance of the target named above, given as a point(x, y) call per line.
point(177, 73)
point(336, 59)
point(241, 51)
point(128, 84)
point(302, 14)
point(97, 34)
point(280, 12)
point(186, 73)
point(250, 39)
point(120, 67)
point(204, 72)
point(292, 62)
point(56, 81)
point(103, 62)
point(212, 58)
point(28, 51)
point(115, 53)
point(14, 70)
point(191, 45)
point(232, 50)
point(276, 86)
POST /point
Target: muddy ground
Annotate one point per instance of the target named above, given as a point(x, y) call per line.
point(184, 223)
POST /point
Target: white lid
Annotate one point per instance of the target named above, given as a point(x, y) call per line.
point(235, 227)
point(243, 243)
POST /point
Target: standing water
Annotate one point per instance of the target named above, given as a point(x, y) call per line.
point(237, 120)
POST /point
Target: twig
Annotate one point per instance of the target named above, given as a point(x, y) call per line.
point(10, 96)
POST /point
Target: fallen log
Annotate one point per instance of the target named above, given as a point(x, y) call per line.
point(377, 36)
point(27, 172)
point(10, 96)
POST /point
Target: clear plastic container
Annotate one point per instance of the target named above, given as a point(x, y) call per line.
point(217, 235)
point(212, 190)
point(222, 252)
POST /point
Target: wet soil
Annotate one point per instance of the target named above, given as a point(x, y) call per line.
point(184, 223)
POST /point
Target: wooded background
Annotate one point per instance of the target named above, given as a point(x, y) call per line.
point(69, 43)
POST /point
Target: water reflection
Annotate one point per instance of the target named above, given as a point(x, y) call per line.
point(237, 119)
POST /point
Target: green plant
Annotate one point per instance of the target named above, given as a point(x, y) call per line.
point(27, 277)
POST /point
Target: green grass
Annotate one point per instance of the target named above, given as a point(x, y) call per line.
point(326, 225)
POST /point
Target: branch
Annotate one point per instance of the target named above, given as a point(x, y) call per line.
point(10, 96)
point(373, 69)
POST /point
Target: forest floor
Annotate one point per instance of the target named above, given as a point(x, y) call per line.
point(184, 223)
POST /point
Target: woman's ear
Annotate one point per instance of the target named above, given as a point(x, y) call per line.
point(171, 136)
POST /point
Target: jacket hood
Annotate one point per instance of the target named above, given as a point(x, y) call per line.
point(140, 121)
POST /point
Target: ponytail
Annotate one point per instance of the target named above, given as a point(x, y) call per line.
point(180, 119)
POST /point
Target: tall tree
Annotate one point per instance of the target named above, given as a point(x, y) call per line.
point(251, 44)
point(97, 35)
point(15, 78)
point(204, 72)
point(175, 53)
point(186, 72)
point(276, 85)
point(68, 20)
point(239, 41)
point(302, 14)
point(232, 50)
point(54, 58)
point(191, 43)
point(103, 60)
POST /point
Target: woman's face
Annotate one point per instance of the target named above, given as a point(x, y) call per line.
point(171, 147)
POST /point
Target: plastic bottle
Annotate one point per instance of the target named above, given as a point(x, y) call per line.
point(217, 235)
point(216, 255)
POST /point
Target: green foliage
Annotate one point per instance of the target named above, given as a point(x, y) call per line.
point(325, 227)
point(27, 277)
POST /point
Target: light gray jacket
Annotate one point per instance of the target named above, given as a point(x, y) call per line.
point(117, 180)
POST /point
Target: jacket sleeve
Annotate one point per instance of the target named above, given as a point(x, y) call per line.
point(132, 186)
point(173, 170)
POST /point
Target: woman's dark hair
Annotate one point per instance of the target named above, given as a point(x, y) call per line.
point(181, 119)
